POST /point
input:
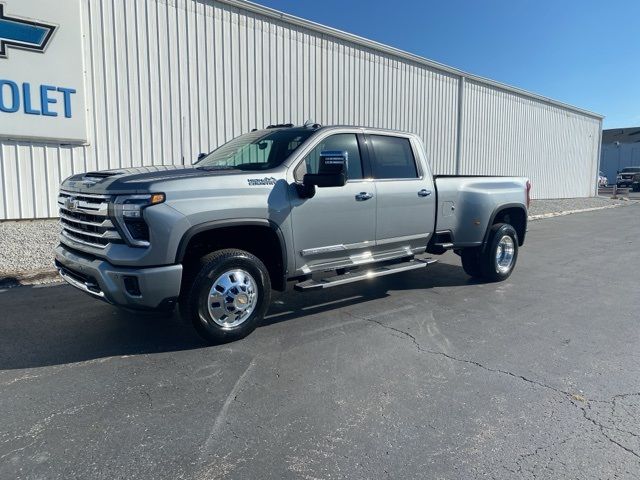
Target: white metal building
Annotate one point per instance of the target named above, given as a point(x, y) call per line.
point(101, 84)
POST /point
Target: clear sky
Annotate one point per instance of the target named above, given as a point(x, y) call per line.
point(582, 52)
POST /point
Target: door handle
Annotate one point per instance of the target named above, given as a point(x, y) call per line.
point(362, 196)
point(424, 193)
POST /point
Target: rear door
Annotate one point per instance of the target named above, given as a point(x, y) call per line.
point(406, 199)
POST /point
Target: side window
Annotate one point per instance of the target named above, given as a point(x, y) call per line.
point(392, 157)
point(341, 141)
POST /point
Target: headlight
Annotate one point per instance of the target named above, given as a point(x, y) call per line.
point(128, 211)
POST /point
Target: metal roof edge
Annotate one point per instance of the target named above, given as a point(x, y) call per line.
point(372, 44)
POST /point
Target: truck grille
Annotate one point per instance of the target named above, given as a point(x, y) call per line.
point(84, 219)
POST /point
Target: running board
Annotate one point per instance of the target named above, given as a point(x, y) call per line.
point(356, 276)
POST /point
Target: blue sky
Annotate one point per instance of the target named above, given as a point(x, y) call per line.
point(582, 52)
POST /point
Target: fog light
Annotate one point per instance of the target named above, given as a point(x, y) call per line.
point(131, 286)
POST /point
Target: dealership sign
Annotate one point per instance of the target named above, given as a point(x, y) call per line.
point(42, 71)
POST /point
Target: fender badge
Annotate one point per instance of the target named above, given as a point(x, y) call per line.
point(261, 181)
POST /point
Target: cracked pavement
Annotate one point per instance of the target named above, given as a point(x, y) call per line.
point(419, 375)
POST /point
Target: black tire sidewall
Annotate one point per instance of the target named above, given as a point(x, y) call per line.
point(199, 294)
point(489, 267)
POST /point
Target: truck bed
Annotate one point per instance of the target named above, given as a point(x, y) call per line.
point(466, 204)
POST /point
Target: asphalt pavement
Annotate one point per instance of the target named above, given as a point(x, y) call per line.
point(420, 375)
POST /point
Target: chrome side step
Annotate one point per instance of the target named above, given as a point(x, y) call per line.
point(358, 275)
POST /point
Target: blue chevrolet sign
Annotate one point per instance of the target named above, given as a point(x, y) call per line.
point(23, 33)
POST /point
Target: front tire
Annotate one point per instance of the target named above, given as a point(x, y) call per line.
point(229, 295)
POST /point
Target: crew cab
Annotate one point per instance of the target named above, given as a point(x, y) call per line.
point(309, 206)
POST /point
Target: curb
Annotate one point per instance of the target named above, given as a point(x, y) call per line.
point(582, 210)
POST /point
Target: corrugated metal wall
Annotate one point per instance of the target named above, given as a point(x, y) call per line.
point(168, 79)
point(508, 134)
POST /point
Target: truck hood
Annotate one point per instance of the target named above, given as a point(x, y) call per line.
point(136, 180)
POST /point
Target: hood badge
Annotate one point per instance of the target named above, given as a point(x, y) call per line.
point(261, 181)
point(82, 183)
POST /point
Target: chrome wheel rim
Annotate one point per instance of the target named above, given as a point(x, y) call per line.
point(504, 254)
point(233, 298)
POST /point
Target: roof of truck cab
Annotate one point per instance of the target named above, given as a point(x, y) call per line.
point(337, 127)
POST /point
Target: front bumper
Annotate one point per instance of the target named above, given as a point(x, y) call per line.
point(137, 288)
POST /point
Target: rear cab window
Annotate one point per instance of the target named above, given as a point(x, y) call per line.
point(392, 157)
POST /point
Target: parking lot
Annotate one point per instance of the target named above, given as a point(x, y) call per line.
point(421, 375)
point(620, 192)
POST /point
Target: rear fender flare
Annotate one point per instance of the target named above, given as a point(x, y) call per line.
point(493, 216)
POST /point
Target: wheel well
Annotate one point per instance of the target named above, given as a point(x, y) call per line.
point(261, 241)
point(517, 218)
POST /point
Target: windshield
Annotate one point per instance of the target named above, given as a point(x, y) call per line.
point(631, 170)
point(259, 150)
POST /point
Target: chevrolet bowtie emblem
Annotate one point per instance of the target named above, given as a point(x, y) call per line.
point(71, 203)
point(23, 33)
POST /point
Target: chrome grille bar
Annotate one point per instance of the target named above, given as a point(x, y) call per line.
point(96, 196)
point(109, 234)
point(104, 224)
point(91, 208)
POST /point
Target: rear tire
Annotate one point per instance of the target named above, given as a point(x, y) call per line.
point(500, 253)
point(228, 297)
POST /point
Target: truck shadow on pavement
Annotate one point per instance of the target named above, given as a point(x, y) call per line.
point(54, 325)
point(292, 305)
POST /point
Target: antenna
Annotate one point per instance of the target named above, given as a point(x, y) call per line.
point(311, 124)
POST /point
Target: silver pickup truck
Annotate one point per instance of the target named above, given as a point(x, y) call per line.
point(312, 206)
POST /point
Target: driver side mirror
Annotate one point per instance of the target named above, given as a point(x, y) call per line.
point(200, 157)
point(332, 172)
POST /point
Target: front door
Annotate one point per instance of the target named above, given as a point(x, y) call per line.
point(335, 228)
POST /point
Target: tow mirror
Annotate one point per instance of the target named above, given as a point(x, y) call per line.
point(332, 172)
